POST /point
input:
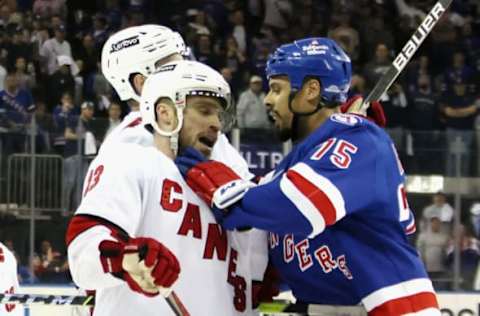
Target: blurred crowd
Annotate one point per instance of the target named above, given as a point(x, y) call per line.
point(50, 71)
point(50, 65)
point(437, 240)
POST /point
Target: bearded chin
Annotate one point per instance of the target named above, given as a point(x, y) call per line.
point(284, 134)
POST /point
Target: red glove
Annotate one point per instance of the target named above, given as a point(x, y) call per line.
point(144, 263)
point(215, 183)
point(374, 112)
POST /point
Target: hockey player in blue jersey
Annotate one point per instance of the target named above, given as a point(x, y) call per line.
point(336, 205)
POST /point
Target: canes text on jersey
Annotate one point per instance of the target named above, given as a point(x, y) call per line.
point(216, 240)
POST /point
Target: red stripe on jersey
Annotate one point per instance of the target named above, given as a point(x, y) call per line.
point(318, 198)
point(404, 305)
point(410, 230)
point(135, 122)
point(81, 223)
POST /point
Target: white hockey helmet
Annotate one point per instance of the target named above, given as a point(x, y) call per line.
point(176, 81)
point(136, 50)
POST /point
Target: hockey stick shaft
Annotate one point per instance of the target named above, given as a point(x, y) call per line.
point(46, 299)
point(78, 300)
point(407, 52)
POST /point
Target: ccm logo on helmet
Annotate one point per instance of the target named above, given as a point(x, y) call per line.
point(131, 41)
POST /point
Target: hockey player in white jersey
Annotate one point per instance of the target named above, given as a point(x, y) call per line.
point(137, 202)
point(8, 281)
point(128, 58)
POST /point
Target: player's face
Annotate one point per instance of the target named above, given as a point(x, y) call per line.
point(276, 102)
point(201, 124)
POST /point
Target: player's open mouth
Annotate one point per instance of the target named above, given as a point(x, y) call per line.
point(273, 115)
point(207, 141)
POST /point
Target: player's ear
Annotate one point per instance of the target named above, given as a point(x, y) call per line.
point(312, 89)
point(165, 114)
point(137, 80)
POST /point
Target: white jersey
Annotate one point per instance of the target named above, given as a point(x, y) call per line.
point(132, 131)
point(8, 281)
point(140, 190)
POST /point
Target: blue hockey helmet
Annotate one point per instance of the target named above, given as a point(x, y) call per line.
point(318, 57)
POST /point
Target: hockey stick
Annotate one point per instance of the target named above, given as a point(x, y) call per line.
point(46, 299)
point(78, 300)
point(408, 51)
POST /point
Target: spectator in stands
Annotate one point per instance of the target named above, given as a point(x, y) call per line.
point(54, 47)
point(419, 67)
point(471, 45)
point(443, 43)
point(459, 109)
point(25, 74)
point(395, 105)
point(100, 30)
point(459, 69)
point(357, 86)
point(346, 35)
point(203, 50)
point(239, 31)
point(45, 126)
point(432, 245)
point(113, 14)
point(251, 112)
point(114, 113)
point(376, 33)
point(227, 74)
point(53, 268)
point(440, 209)
point(198, 25)
point(406, 9)
point(49, 8)
point(61, 115)
point(423, 118)
point(62, 80)
point(5, 12)
point(102, 90)
point(15, 102)
point(20, 45)
point(277, 14)
point(3, 73)
point(259, 60)
point(469, 256)
point(81, 144)
point(234, 59)
point(475, 218)
point(376, 67)
point(89, 53)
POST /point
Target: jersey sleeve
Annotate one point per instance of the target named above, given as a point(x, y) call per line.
point(113, 186)
point(333, 179)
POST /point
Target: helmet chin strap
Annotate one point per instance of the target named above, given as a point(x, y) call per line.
point(297, 115)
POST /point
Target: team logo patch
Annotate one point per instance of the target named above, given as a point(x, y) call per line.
point(346, 119)
point(125, 43)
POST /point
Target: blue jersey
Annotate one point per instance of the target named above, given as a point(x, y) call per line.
point(338, 216)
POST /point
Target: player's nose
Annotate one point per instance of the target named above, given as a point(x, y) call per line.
point(268, 102)
point(215, 123)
